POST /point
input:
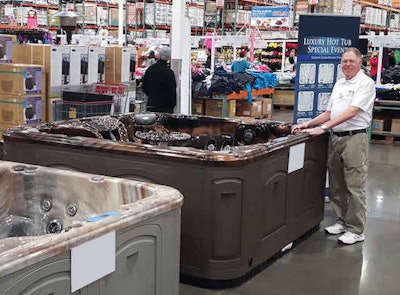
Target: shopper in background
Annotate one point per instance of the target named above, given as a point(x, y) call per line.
point(392, 59)
point(347, 116)
point(290, 62)
point(151, 59)
point(159, 84)
point(241, 64)
point(208, 61)
point(373, 61)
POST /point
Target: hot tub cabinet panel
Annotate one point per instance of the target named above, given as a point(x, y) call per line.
point(141, 252)
point(36, 259)
point(241, 207)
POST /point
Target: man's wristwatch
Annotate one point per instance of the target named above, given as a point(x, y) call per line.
point(324, 127)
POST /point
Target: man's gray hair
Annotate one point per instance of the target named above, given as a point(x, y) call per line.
point(354, 50)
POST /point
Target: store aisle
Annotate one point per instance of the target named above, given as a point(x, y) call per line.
point(319, 265)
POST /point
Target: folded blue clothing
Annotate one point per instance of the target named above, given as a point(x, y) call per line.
point(264, 79)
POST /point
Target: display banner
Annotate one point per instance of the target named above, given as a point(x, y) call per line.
point(270, 16)
point(322, 40)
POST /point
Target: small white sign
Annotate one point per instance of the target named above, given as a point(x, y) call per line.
point(296, 157)
point(92, 261)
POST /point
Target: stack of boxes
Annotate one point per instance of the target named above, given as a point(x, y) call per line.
point(70, 67)
point(260, 107)
point(22, 95)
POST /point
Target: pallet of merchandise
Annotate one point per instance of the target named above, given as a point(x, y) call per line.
point(284, 97)
point(244, 93)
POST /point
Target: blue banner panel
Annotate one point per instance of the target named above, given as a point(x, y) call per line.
point(322, 40)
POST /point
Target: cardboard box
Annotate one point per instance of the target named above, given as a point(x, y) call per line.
point(21, 79)
point(22, 109)
point(6, 43)
point(395, 126)
point(284, 97)
point(214, 107)
point(120, 64)
point(380, 125)
point(79, 65)
point(266, 106)
point(30, 53)
point(55, 60)
point(198, 107)
point(267, 116)
point(97, 60)
point(245, 109)
point(58, 67)
point(21, 53)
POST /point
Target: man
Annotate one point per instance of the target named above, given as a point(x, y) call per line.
point(160, 85)
point(347, 116)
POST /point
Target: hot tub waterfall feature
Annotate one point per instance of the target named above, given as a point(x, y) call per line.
point(45, 213)
point(243, 200)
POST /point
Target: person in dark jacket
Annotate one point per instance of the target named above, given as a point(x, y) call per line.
point(160, 85)
point(208, 61)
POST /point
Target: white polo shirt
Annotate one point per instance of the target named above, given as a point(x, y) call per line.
point(359, 92)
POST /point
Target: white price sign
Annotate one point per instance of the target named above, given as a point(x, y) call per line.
point(391, 41)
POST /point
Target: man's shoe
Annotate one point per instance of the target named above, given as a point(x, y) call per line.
point(335, 229)
point(349, 238)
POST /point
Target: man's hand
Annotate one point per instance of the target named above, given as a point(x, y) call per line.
point(296, 128)
point(314, 131)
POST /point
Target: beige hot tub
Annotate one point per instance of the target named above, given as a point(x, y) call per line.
point(46, 212)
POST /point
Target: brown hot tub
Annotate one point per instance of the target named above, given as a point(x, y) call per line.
point(244, 201)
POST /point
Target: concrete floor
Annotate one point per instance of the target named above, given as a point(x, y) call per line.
point(319, 265)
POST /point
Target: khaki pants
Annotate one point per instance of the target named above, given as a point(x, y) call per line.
point(347, 165)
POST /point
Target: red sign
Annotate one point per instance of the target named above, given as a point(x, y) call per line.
point(220, 4)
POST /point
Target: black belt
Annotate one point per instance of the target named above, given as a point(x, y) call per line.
point(347, 133)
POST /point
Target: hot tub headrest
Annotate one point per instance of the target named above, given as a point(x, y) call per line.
point(145, 119)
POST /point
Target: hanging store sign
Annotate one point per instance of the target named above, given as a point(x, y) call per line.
point(220, 4)
point(233, 41)
point(270, 16)
point(390, 41)
point(152, 41)
point(320, 48)
point(139, 6)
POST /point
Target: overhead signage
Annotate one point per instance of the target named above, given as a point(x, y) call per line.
point(320, 48)
point(152, 41)
point(270, 16)
point(391, 41)
point(237, 41)
point(220, 4)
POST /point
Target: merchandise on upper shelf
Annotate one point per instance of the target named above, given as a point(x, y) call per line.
point(203, 14)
